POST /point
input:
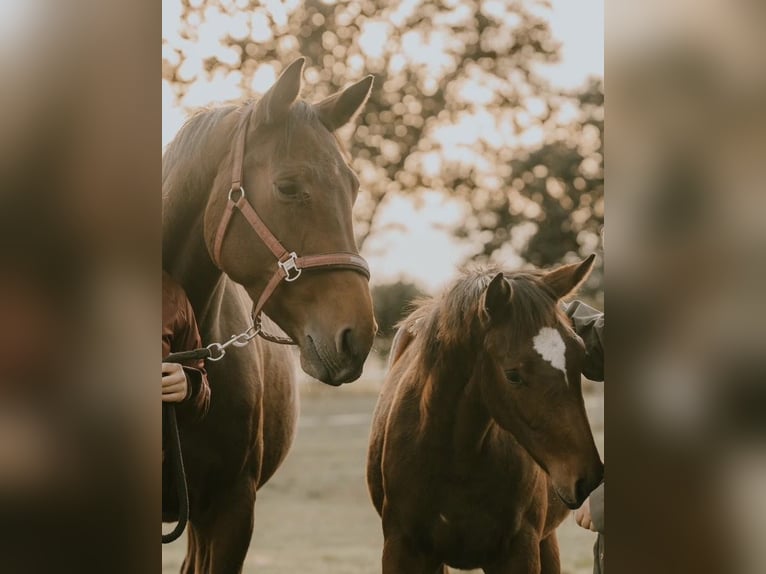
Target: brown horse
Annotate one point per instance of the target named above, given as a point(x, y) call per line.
point(293, 174)
point(480, 439)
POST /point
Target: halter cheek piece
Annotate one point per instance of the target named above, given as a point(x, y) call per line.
point(290, 266)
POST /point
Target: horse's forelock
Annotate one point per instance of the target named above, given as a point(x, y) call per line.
point(450, 323)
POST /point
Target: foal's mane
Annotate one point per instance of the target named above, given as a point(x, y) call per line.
point(450, 323)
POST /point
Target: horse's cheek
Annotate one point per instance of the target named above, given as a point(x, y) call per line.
point(487, 376)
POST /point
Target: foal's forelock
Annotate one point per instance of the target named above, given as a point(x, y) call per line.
point(450, 324)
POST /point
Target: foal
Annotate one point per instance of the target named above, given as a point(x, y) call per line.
point(480, 440)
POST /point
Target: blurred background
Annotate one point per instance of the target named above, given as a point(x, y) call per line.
point(482, 141)
point(686, 252)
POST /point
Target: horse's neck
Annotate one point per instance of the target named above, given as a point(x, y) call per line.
point(452, 407)
point(187, 259)
point(191, 170)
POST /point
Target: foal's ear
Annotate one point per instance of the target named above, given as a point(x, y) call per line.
point(337, 110)
point(275, 103)
point(496, 299)
point(566, 279)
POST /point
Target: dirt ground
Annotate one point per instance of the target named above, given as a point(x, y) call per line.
point(315, 516)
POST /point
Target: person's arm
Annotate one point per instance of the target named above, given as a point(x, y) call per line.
point(589, 325)
point(597, 508)
point(591, 514)
point(188, 338)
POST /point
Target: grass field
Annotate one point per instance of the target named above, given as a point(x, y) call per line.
point(315, 516)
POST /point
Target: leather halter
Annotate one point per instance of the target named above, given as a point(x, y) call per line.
point(289, 264)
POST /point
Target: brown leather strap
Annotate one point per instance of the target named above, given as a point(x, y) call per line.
point(221, 231)
point(348, 260)
point(273, 283)
point(260, 228)
point(238, 153)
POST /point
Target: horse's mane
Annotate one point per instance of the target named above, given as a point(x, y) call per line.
point(189, 164)
point(189, 146)
point(450, 322)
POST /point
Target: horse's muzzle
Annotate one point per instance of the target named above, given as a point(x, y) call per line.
point(333, 365)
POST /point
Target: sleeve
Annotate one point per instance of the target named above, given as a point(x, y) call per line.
point(589, 325)
point(597, 508)
point(186, 339)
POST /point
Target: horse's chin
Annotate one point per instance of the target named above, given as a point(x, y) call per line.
point(313, 365)
point(568, 503)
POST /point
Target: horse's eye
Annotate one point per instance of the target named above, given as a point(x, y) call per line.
point(514, 377)
point(289, 190)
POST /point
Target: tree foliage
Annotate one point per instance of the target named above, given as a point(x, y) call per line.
point(458, 106)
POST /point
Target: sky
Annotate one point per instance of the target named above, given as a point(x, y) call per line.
point(428, 254)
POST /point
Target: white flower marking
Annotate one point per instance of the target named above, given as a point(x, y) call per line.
point(550, 345)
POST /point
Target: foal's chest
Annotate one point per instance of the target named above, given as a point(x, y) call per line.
point(470, 522)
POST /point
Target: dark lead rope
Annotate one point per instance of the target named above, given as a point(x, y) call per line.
point(174, 449)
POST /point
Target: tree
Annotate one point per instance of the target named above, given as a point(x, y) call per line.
point(553, 194)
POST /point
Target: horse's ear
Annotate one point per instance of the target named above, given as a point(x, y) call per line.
point(275, 103)
point(495, 302)
point(337, 110)
point(566, 279)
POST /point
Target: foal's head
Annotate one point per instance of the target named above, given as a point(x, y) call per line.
point(298, 180)
point(529, 373)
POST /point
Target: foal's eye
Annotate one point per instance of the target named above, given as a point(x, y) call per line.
point(289, 190)
point(514, 377)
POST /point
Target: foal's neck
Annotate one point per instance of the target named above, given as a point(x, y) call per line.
point(455, 408)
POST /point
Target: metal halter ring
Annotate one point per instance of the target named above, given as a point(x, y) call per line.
point(290, 267)
point(241, 191)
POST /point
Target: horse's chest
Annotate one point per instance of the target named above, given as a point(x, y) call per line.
point(464, 536)
point(469, 520)
point(479, 506)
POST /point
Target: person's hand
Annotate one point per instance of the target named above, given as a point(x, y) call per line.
point(583, 517)
point(174, 385)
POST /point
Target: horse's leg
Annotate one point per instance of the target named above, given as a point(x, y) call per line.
point(400, 558)
point(522, 556)
point(549, 555)
point(224, 534)
point(197, 558)
point(189, 563)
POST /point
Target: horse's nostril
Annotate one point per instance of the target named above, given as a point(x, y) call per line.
point(347, 342)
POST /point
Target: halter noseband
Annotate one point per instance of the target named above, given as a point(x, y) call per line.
point(289, 264)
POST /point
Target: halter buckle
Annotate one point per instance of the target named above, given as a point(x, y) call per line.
point(290, 267)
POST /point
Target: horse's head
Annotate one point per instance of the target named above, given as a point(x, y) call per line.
point(530, 375)
point(295, 176)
